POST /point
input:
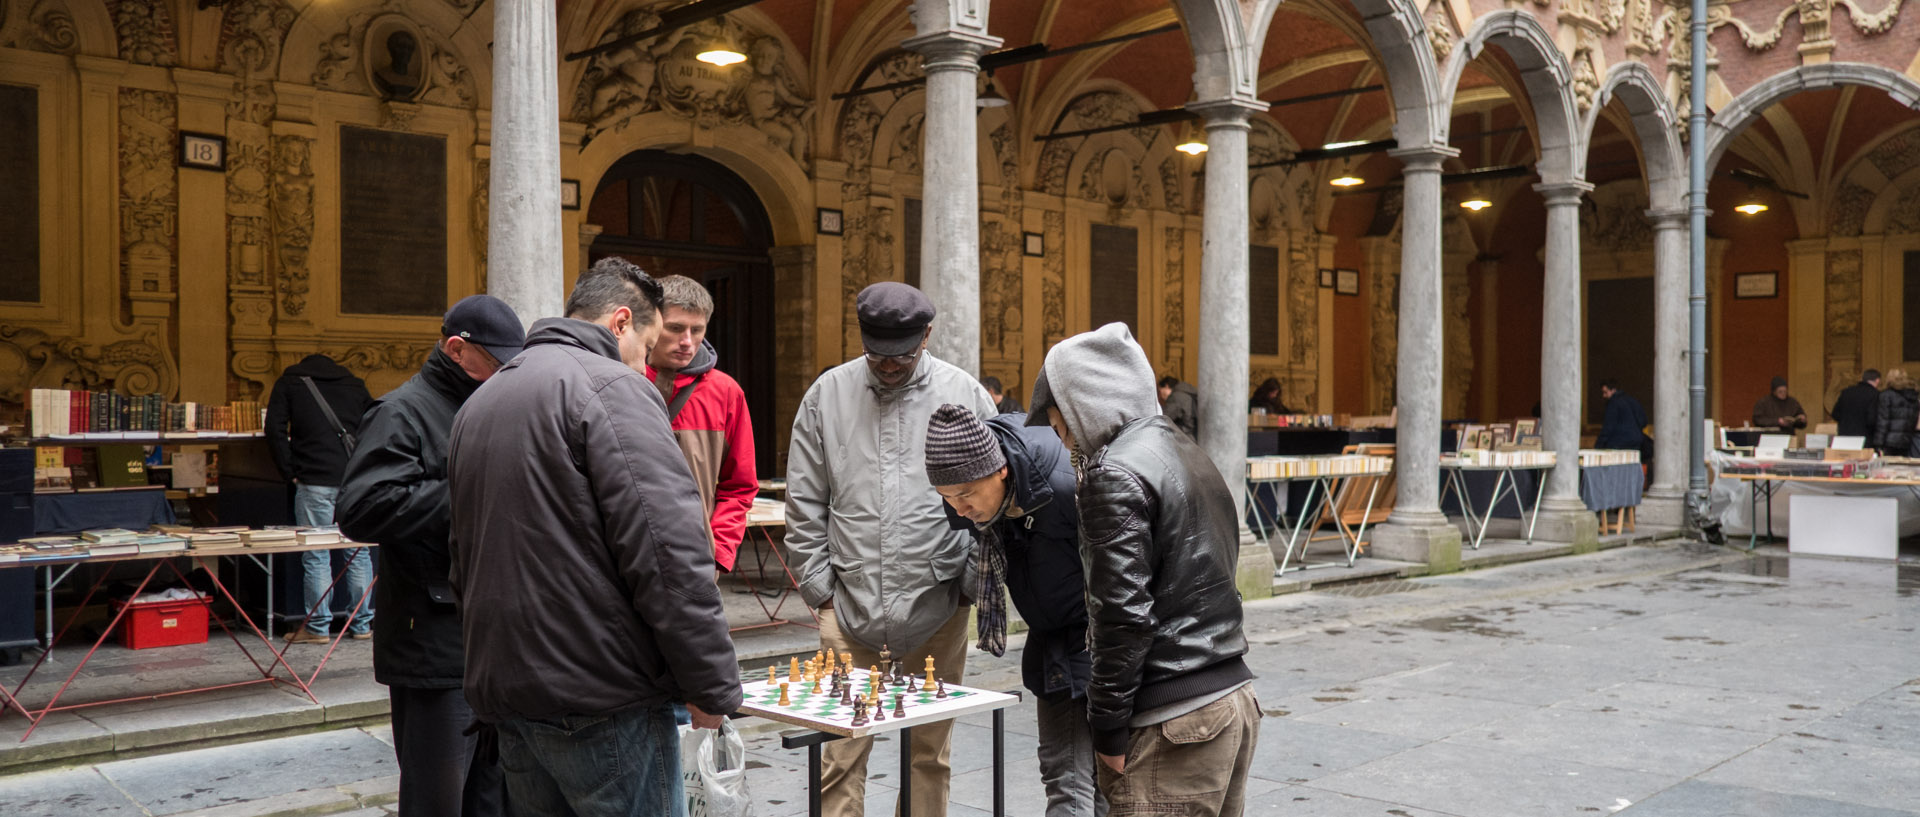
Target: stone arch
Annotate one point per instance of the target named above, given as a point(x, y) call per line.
point(1546, 76)
point(779, 181)
point(1226, 54)
point(1398, 34)
point(1896, 207)
point(1653, 122)
point(1730, 121)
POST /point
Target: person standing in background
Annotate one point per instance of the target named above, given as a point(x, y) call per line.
point(1858, 405)
point(1180, 401)
point(708, 410)
point(1896, 416)
point(1001, 402)
point(313, 420)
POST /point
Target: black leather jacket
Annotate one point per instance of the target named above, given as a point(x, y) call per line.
point(1160, 541)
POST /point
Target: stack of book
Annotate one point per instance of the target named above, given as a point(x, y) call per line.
point(268, 538)
point(1500, 459)
point(1597, 457)
point(318, 536)
point(60, 413)
point(215, 537)
point(1338, 465)
point(111, 542)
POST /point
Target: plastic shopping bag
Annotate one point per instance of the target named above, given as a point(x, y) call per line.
point(713, 769)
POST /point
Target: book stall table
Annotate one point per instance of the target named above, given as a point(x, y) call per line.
point(1506, 483)
point(823, 719)
point(203, 559)
point(762, 519)
point(1765, 484)
point(1329, 484)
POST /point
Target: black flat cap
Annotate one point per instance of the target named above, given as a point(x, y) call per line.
point(893, 318)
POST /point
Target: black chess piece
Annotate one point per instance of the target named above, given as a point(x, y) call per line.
point(899, 673)
point(846, 694)
point(912, 686)
point(942, 693)
point(899, 705)
point(879, 712)
point(860, 713)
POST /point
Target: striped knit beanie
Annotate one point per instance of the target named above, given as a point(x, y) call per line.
point(960, 448)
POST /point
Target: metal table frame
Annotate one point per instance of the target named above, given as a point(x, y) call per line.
point(786, 589)
point(1504, 485)
point(1330, 490)
point(812, 741)
point(202, 560)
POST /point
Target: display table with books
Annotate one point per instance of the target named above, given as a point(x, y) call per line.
point(1329, 480)
point(1509, 469)
point(204, 547)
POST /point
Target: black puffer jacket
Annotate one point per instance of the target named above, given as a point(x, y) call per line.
point(1160, 538)
point(1044, 574)
point(1893, 422)
point(303, 442)
point(395, 495)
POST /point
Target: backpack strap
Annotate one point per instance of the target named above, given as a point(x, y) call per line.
point(346, 438)
point(680, 400)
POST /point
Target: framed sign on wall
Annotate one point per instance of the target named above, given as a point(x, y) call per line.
point(1756, 285)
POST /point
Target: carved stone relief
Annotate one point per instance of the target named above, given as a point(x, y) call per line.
point(1173, 290)
point(250, 36)
point(385, 55)
point(1384, 303)
point(1091, 110)
point(48, 27)
point(482, 202)
point(293, 219)
point(145, 31)
point(1303, 314)
point(1053, 286)
point(32, 359)
point(1843, 288)
point(1617, 225)
point(149, 195)
point(661, 73)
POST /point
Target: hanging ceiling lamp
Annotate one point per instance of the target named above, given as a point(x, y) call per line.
point(992, 98)
point(1476, 204)
point(1348, 180)
point(722, 53)
point(1193, 144)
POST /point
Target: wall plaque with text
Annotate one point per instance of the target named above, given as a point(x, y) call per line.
point(393, 223)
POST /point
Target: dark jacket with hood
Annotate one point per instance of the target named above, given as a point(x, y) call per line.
point(1621, 427)
point(1160, 538)
point(395, 495)
point(303, 442)
point(1183, 408)
point(1856, 409)
point(1894, 420)
point(1044, 574)
point(580, 551)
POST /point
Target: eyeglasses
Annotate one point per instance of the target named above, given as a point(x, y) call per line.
point(897, 359)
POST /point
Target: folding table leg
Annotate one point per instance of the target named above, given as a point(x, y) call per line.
point(906, 771)
point(813, 780)
point(999, 763)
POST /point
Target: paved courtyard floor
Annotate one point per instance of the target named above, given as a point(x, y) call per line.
point(1645, 681)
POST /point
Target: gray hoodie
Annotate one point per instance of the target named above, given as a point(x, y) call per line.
point(1100, 381)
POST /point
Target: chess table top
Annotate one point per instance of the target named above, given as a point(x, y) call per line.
point(824, 713)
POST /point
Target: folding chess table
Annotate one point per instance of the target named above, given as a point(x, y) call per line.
point(203, 558)
point(826, 720)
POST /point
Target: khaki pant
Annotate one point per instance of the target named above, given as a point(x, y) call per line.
point(1194, 765)
point(843, 763)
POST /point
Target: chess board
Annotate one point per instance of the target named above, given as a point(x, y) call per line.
point(824, 713)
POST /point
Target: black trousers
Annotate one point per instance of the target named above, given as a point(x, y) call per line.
point(443, 771)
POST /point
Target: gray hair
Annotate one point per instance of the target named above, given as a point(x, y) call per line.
point(685, 293)
point(611, 283)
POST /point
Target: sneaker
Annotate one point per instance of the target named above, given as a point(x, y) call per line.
point(302, 636)
point(365, 635)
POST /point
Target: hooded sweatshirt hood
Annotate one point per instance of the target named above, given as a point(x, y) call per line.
point(1100, 381)
point(704, 359)
point(318, 367)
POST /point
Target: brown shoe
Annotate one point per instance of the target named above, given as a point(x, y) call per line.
point(301, 636)
point(366, 636)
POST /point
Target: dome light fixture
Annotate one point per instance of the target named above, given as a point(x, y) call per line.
point(1348, 181)
point(992, 98)
point(1752, 208)
point(1191, 147)
point(1476, 204)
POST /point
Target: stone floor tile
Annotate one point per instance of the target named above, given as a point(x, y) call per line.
point(1827, 770)
point(1613, 739)
point(64, 793)
point(1694, 798)
point(1414, 714)
point(1493, 783)
point(1296, 751)
point(182, 781)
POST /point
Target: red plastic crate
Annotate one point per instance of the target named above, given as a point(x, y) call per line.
point(163, 623)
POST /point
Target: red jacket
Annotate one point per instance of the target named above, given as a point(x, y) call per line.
point(716, 436)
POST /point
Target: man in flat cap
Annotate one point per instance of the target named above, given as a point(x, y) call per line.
point(873, 547)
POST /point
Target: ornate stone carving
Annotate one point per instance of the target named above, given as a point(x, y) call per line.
point(1618, 224)
point(1053, 284)
point(661, 73)
point(1303, 318)
point(409, 64)
point(1897, 155)
point(1384, 304)
point(1848, 212)
point(1905, 217)
point(1815, 18)
point(1173, 290)
point(482, 204)
point(149, 194)
point(32, 359)
point(251, 32)
point(48, 27)
point(293, 219)
point(1440, 33)
point(145, 31)
point(1843, 312)
point(1089, 110)
point(1586, 79)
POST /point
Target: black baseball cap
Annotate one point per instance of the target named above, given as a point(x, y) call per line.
point(488, 322)
point(893, 318)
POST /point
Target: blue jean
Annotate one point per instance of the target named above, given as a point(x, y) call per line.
point(313, 507)
point(621, 765)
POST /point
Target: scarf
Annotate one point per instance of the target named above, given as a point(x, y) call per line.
point(990, 592)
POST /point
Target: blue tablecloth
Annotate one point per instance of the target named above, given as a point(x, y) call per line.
point(1606, 487)
point(72, 513)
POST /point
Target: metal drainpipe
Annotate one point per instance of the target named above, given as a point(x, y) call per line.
point(1697, 268)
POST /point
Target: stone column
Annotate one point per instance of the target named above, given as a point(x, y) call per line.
point(1417, 531)
point(1224, 365)
point(526, 251)
point(950, 166)
point(1665, 504)
point(1563, 517)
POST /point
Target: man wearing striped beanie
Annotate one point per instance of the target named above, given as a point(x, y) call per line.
point(1012, 486)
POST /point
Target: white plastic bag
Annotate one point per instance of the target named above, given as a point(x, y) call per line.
point(713, 769)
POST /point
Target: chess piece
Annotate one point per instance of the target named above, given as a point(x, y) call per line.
point(943, 690)
point(879, 712)
point(846, 694)
point(897, 674)
point(886, 656)
point(784, 700)
point(860, 713)
point(911, 686)
point(899, 705)
point(773, 675)
point(816, 683)
point(846, 660)
point(793, 670)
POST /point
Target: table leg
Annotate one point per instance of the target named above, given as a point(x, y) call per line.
point(1294, 538)
point(1373, 492)
point(999, 763)
point(104, 635)
point(906, 771)
point(1539, 492)
point(1772, 487)
point(813, 780)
